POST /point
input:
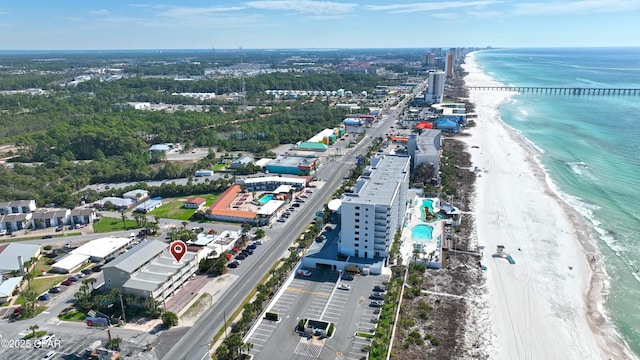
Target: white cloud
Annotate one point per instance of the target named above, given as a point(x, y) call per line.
point(101, 12)
point(183, 12)
point(431, 6)
point(556, 8)
point(304, 6)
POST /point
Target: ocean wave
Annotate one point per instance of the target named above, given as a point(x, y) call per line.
point(574, 66)
point(580, 168)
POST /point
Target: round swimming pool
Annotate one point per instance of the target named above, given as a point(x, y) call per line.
point(422, 232)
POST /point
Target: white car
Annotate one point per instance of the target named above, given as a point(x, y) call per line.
point(344, 287)
point(303, 272)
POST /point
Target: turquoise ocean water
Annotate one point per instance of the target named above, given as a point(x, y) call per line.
point(590, 146)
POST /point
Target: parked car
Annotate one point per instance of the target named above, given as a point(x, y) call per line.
point(282, 220)
point(257, 242)
point(80, 275)
point(96, 268)
point(379, 288)
point(44, 297)
point(87, 271)
point(247, 251)
point(347, 277)
point(241, 257)
point(73, 278)
point(47, 237)
point(376, 303)
point(66, 282)
point(344, 287)
point(252, 246)
point(233, 264)
point(49, 355)
point(304, 272)
point(55, 290)
point(376, 296)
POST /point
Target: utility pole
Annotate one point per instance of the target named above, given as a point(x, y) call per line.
point(124, 318)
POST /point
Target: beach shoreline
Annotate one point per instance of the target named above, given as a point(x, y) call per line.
point(550, 304)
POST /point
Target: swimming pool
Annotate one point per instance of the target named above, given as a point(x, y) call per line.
point(422, 232)
point(426, 204)
point(266, 198)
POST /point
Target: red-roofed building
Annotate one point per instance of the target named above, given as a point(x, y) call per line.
point(424, 125)
point(220, 209)
point(194, 203)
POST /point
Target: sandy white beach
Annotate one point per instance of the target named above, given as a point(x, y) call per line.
point(547, 304)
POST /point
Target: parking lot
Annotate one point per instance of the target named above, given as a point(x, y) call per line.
point(318, 297)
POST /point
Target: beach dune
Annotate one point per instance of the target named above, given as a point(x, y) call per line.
point(539, 306)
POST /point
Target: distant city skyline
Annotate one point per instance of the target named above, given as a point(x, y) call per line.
point(265, 24)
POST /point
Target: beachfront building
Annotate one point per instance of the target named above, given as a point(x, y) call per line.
point(271, 183)
point(435, 87)
point(426, 148)
point(149, 270)
point(424, 232)
point(372, 213)
point(450, 64)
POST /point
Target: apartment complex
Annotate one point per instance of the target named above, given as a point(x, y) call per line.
point(373, 212)
point(149, 270)
point(435, 87)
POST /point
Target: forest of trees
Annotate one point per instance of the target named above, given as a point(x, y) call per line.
point(81, 135)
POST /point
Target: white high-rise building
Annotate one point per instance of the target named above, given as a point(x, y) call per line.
point(374, 211)
point(435, 88)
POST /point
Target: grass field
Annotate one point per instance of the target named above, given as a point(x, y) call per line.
point(219, 167)
point(173, 208)
point(73, 315)
point(42, 284)
point(107, 224)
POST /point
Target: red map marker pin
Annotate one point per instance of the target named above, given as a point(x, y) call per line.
point(178, 248)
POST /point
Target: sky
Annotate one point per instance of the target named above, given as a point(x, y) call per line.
point(271, 24)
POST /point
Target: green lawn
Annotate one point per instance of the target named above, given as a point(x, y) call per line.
point(173, 208)
point(107, 224)
point(42, 284)
point(42, 265)
point(219, 167)
point(73, 315)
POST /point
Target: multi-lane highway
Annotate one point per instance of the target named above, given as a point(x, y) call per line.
point(195, 344)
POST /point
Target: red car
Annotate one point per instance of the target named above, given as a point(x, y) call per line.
point(66, 282)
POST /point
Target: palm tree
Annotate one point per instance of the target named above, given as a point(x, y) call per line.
point(33, 328)
point(124, 219)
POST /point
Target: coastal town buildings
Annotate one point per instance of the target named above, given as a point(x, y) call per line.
point(426, 148)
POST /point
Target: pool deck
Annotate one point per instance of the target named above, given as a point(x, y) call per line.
point(413, 217)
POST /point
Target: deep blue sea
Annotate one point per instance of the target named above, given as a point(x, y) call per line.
point(590, 148)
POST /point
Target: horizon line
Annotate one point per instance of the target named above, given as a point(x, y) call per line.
point(314, 48)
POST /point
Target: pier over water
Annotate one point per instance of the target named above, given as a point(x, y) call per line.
point(559, 90)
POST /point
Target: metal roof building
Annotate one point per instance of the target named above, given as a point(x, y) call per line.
point(9, 254)
point(149, 270)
